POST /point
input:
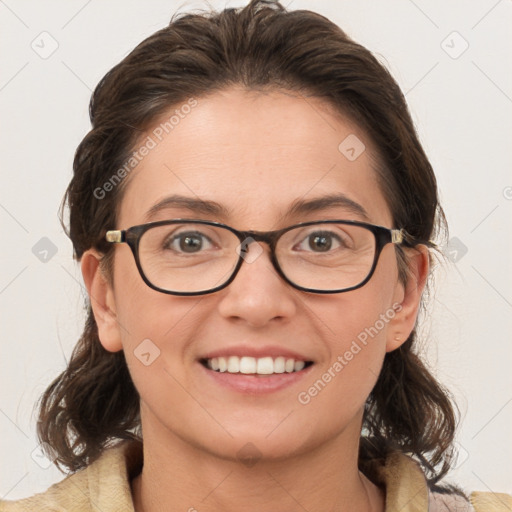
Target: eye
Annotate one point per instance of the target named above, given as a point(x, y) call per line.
point(323, 241)
point(187, 242)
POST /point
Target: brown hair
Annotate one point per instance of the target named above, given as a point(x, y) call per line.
point(93, 402)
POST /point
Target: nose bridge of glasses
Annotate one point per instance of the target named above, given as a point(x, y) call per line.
point(260, 236)
point(268, 237)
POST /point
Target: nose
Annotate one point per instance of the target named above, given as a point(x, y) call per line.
point(258, 294)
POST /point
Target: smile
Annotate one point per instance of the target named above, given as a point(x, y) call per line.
point(255, 366)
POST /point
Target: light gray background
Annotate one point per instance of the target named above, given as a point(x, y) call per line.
point(461, 103)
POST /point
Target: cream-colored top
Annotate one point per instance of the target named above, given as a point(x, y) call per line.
point(104, 486)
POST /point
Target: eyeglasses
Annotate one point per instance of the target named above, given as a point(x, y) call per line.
point(195, 257)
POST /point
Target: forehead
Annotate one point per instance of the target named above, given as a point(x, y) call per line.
point(255, 153)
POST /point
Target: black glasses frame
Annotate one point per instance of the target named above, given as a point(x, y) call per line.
point(383, 236)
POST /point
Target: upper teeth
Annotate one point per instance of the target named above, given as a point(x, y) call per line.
point(262, 365)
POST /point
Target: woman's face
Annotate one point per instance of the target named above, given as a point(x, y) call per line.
point(255, 154)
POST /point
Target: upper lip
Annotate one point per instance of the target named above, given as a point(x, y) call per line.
point(257, 352)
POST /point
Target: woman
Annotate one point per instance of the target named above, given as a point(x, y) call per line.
point(254, 217)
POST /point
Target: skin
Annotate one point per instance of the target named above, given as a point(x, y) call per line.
point(255, 153)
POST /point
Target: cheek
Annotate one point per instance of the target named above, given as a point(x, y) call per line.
point(155, 336)
point(141, 311)
point(334, 398)
point(357, 326)
point(348, 375)
point(153, 326)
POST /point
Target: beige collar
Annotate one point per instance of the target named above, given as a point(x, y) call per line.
point(405, 483)
point(403, 479)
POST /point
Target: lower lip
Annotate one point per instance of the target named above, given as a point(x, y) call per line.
point(255, 384)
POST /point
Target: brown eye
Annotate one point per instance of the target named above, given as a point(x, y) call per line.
point(321, 242)
point(187, 242)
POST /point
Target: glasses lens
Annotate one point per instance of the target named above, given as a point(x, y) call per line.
point(327, 256)
point(188, 257)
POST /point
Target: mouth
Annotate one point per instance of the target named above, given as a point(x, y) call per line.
point(256, 366)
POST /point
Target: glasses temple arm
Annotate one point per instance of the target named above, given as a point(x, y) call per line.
point(115, 236)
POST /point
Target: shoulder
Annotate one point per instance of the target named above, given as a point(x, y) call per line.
point(407, 489)
point(491, 501)
point(448, 502)
point(477, 502)
point(101, 484)
point(71, 494)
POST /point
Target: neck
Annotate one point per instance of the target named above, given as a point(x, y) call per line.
point(177, 476)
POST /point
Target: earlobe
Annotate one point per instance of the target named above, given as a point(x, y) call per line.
point(408, 297)
point(102, 301)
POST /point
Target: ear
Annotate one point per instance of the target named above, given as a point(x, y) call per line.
point(102, 300)
point(408, 297)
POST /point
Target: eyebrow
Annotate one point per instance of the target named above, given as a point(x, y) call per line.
point(189, 203)
point(301, 207)
point(297, 207)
